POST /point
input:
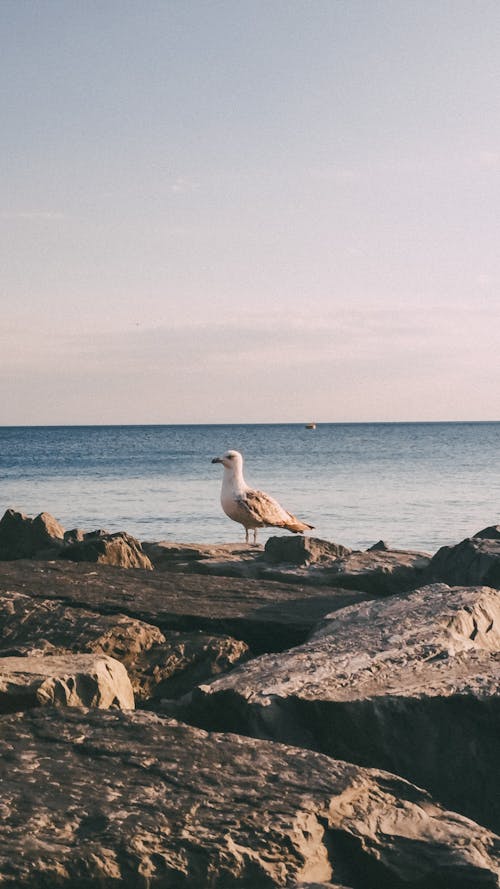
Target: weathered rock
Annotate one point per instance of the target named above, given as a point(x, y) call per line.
point(116, 799)
point(303, 550)
point(378, 572)
point(183, 661)
point(23, 537)
point(118, 549)
point(490, 533)
point(159, 665)
point(473, 561)
point(409, 684)
point(380, 545)
point(186, 557)
point(80, 680)
point(75, 535)
point(267, 616)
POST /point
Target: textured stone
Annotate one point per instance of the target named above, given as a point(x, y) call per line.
point(23, 537)
point(79, 680)
point(473, 561)
point(267, 616)
point(133, 800)
point(159, 665)
point(490, 533)
point(409, 684)
point(120, 549)
point(191, 557)
point(303, 550)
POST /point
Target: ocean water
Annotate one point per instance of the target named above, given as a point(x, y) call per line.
point(416, 485)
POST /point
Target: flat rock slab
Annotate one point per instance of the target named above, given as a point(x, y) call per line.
point(80, 680)
point(408, 683)
point(268, 616)
point(159, 664)
point(114, 799)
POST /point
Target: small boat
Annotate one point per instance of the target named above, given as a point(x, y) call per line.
point(310, 425)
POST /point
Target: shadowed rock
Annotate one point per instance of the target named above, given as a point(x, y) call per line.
point(76, 680)
point(22, 537)
point(303, 550)
point(409, 684)
point(267, 616)
point(116, 799)
point(490, 533)
point(475, 560)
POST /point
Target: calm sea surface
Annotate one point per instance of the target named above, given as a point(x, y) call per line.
point(416, 485)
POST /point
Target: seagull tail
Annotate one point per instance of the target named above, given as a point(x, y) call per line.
point(298, 527)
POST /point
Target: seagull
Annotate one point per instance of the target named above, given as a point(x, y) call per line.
point(253, 509)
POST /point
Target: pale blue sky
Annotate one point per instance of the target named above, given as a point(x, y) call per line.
point(237, 210)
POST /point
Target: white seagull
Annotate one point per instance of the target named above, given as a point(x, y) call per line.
point(253, 509)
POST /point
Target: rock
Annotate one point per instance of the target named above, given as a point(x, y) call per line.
point(118, 549)
point(473, 561)
point(303, 550)
point(183, 661)
point(130, 799)
point(80, 680)
point(76, 535)
point(491, 533)
point(158, 665)
point(408, 684)
point(186, 557)
point(23, 537)
point(267, 616)
point(379, 546)
point(377, 572)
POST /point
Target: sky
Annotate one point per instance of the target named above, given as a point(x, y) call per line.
point(249, 211)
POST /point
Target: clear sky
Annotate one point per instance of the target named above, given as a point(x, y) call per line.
point(238, 210)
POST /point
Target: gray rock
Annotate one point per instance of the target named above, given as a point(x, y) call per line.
point(267, 616)
point(408, 684)
point(379, 572)
point(191, 557)
point(120, 549)
point(490, 533)
point(23, 537)
point(473, 561)
point(80, 680)
point(380, 545)
point(303, 550)
point(135, 800)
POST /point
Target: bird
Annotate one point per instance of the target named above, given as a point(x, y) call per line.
point(253, 509)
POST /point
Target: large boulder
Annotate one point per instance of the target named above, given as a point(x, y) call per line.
point(22, 537)
point(303, 550)
point(268, 616)
point(120, 549)
point(490, 533)
point(409, 684)
point(475, 560)
point(160, 665)
point(80, 680)
point(193, 557)
point(126, 800)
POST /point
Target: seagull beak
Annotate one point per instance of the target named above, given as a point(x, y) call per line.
point(217, 460)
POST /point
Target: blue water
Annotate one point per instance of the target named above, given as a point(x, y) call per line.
point(415, 485)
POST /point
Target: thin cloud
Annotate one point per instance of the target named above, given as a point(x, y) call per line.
point(34, 215)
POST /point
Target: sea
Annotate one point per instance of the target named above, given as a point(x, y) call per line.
point(415, 485)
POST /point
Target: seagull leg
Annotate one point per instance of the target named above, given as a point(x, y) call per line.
point(246, 535)
point(255, 536)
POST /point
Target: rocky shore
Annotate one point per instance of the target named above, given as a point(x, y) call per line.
point(294, 715)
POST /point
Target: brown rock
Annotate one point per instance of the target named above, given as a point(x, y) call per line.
point(409, 684)
point(267, 616)
point(133, 800)
point(191, 557)
point(23, 537)
point(303, 550)
point(158, 665)
point(120, 549)
point(80, 680)
point(473, 561)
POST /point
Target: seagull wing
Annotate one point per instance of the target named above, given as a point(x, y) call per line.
point(266, 510)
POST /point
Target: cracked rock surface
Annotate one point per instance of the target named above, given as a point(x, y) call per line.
point(108, 799)
point(409, 684)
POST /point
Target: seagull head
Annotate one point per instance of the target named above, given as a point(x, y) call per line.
point(230, 460)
